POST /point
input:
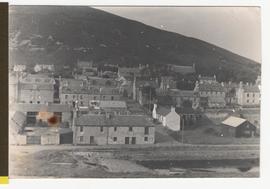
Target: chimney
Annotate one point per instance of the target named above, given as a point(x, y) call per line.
point(134, 88)
point(222, 84)
point(154, 112)
point(241, 84)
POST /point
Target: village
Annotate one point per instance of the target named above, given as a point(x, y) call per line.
point(145, 121)
point(112, 105)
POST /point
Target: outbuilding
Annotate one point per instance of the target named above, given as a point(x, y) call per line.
point(238, 127)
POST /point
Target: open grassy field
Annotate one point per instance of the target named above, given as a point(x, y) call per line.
point(134, 161)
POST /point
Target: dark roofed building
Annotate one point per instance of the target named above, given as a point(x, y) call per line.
point(248, 95)
point(238, 127)
point(32, 113)
point(212, 95)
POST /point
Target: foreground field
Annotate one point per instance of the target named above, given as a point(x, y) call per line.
point(133, 161)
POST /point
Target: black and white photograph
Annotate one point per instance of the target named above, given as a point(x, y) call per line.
point(134, 91)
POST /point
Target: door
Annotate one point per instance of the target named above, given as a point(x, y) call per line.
point(133, 140)
point(126, 140)
point(92, 140)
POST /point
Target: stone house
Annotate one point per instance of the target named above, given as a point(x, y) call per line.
point(114, 129)
point(167, 116)
point(248, 95)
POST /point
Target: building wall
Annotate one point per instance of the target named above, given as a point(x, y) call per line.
point(66, 117)
point(84, 99)
point(50, 139)
point(41, 96)
point(212, 96)
point(248, 98)
point(173, 121)
point(108, 134)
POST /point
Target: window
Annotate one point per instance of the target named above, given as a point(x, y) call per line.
point(130, 128)
point(253, 95)
point(115, 129)
point(146, 130)
point(103, 97)
point(31, 102)
point(95, 97)
point(112, 97)
point(145, 139)
point(101, 129)
point(81, 138)
point(114, 139)
point(247, 101)
point(81, 96)
point(38, 102)
point(247, 94)
point(81, 128)
point(81, 103)
point(66, 96)
point(74, 96)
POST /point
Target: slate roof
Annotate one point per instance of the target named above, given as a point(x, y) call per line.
point(19, 118)
point(187, 110)
point(23, 107)
point(181, 93)
point(211, 87)
point(251, 89)
point(163, 110)
point(233, 121)
point(112, 104)
point(91, 90)
point(146, 83)
point(115, 120)
point(29, 86)
point(37, 78)
point(216, 100)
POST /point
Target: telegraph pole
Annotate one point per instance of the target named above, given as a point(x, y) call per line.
point(75, 109)
point(183, 127)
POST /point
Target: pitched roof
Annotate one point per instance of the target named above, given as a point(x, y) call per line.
point(29, 86)
point(163, 110)
point(187, 110)
point(216, 100)
point(251, 88)
point(183, 93)
point(19, 118)
point(112, 104)
point(116, 120)
point(211, 87)
point(233, 121)
point(37, 78)
point(91, 90)
point(23, 107)
point(146, 83)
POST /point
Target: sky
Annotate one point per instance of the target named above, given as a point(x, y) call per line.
point(237, 29)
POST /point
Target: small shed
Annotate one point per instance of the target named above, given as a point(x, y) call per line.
point(238, 127)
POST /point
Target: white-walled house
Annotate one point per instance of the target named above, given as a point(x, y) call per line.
point(167, 116)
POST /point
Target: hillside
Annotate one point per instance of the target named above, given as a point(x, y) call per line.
point(62, 35)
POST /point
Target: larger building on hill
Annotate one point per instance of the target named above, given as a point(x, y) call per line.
point(248, 95)
point(212, 94)
point(35, 89)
